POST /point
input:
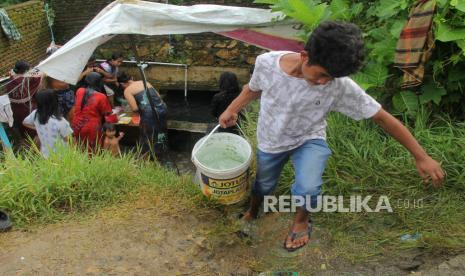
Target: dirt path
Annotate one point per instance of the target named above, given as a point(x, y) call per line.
point(151, 237)
point(148, 239)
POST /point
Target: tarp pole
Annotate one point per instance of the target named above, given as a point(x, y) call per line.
point(139, 64)
point(144, 81)
point(185, 82)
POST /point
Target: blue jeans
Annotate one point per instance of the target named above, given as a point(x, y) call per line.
point(309, 161)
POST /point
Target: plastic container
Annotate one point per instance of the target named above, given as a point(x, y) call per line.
point(223, 162)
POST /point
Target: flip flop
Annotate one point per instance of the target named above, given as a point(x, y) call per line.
point(5, 222)
point(298, 235)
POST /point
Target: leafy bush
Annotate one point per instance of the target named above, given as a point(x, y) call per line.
point(382, 22)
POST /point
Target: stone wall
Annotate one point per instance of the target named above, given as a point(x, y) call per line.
point(207, 54)
point(73, 15)
point(196, 49)
point(204, 78)
point(30, 19)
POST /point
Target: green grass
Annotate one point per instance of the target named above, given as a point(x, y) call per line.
point(366, 161)
point(35, 189)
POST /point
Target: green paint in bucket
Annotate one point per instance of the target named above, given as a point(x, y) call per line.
point(220, 157)
point(223, 161)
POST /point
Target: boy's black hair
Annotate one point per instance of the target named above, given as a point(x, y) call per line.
point(21, 67)
point(108, 126)
point(228, 83)
point(337, 47)
point(122, 77)
point(47, 106)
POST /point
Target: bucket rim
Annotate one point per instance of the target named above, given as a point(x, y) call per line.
point(241, 167)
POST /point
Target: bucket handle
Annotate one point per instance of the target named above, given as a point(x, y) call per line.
point(210, 134)
point(205, 140)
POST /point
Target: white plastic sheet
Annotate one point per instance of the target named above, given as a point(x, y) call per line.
point(148, 18)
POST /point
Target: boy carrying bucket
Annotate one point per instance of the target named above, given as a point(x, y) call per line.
point(297, 91)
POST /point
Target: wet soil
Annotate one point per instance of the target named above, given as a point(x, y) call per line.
point(154, 237)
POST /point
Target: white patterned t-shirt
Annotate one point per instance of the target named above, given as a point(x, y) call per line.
point(51, 133)
point(293, 111)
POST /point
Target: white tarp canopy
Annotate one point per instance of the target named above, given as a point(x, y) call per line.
point(148, 18)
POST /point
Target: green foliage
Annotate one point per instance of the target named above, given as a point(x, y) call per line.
point(310, 13)
point(340, 9)
point(406, 101)
point(446, 33)
point(382, 22)
point(458, 4)
point(37, 189)
point(389, 8)
point(374, 75)
point(431, 93)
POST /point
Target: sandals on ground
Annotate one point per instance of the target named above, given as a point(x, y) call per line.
point(298, 235)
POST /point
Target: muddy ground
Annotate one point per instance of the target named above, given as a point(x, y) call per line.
point(153, 237)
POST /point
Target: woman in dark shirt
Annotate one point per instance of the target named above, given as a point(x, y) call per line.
point(153, 121)
point(229, 90)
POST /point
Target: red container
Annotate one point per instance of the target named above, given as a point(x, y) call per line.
point(112, 118)
point(136, 119)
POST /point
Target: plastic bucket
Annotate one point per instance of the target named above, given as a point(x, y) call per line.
point(223, 162)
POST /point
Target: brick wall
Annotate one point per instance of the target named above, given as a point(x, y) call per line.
point(30, 19)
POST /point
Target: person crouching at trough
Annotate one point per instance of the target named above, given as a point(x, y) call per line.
point(297, 91)
point(153, 112)
point(90, 110)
